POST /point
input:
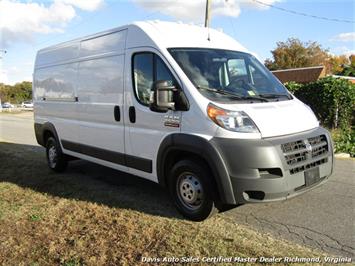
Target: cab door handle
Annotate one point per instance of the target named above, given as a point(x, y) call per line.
point(132, 114)
point(117, 113)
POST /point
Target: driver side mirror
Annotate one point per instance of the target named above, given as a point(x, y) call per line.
point(162, 96)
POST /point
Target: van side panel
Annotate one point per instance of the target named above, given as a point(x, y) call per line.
point(103, 44)
point(55, 96)
point(56, 82)
point(100, 90)
point(58, 54)
point(100, 94)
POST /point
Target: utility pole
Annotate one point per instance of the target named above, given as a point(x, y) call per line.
point(207, 14)
point(207, 18)
point(2, 51)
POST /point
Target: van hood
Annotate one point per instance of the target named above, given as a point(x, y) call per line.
point(278, 118)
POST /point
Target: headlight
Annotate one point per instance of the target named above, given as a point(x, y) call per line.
point(237, 121)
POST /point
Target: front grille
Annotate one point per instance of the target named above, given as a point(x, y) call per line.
point(319, 145)
point(308, 166)
point(300, 153)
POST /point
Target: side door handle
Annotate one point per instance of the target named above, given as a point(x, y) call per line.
point(117, 113)
point(132, 114)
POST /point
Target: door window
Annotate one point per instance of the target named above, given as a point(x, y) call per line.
point(163, 72)
point(143, 76)
point(148, 68)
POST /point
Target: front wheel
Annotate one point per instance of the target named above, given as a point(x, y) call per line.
point(191, 189)
point(55, 158)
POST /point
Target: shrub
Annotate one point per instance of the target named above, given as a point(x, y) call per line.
point(293, 86)
point(331, 99)
point(344, 141)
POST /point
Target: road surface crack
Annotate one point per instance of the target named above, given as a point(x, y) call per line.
point(291, 229)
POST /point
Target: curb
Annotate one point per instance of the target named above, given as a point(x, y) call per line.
point(342, 155)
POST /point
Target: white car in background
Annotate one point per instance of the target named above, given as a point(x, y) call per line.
point(7, 105)
point(27, 104)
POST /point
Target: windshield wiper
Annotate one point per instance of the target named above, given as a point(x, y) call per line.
point(239, 97)
point(255, 97)
point(220, 91)
point(275, 96)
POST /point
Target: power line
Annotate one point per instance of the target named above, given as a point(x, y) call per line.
point(304, 14)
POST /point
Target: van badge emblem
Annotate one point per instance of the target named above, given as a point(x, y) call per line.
point(171, 120)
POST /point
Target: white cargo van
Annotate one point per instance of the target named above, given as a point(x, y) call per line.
point(192, 111)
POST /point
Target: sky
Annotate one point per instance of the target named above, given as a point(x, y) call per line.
point(28, 26)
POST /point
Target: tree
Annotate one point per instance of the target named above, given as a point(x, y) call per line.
point(337, 64)
point(349, 69)
point(17, 93)
point(294, 53)
point(352, 60)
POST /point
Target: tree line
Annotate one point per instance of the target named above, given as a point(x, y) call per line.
point(17, 93)
point(293, 53)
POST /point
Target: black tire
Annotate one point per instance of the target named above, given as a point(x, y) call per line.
point(191, 188)
point(56, 160)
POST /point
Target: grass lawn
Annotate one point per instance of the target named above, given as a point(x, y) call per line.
point(92, 215)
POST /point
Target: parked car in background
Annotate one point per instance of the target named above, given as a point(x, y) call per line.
point(27, 104)
point(7, 105)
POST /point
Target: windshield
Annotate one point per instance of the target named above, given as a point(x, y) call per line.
point(224, 75)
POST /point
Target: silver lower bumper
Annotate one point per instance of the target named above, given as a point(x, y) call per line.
point(259, 171)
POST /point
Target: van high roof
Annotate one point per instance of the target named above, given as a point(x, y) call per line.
point(173, 34)
point(167, 35)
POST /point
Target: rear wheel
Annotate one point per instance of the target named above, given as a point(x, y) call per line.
point(55, 158)
point(190, 187)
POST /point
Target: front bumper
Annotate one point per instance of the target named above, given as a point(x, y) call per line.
point(260, 170)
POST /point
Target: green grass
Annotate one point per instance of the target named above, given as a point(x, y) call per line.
point(76, 218)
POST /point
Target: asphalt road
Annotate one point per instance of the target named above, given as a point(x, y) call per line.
point(323, 218)
point(17, 128)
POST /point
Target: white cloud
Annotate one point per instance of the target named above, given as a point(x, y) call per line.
point(343, 50)
point(88, 5)
point(256, 5)
point(3, 77)
point(20, 20)
point(10, 74)
point(194, 10)
point(344, 37)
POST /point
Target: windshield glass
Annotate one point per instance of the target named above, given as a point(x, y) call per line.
point(225, 75)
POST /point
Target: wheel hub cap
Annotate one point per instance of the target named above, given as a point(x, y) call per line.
point(190, 191)
point(52, 155)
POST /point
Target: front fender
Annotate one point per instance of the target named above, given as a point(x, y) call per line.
point(203, 149)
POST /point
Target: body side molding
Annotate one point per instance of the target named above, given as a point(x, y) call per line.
point(131, 161)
